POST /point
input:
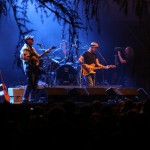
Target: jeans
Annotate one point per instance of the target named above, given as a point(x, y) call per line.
point(32, 76)
point(90, 80)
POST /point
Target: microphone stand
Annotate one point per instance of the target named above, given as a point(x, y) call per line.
point(49, 78)
point(75, 59)
point(104, 82)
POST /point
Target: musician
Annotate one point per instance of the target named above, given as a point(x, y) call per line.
point(127, 67)
point(89, 60)
point(63, 55)
point(62, 62)
point(30, 60)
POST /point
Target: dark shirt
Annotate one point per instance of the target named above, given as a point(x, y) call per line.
point(89, 58)
point(128, 67)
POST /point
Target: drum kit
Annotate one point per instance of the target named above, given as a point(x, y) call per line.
point(59, 72)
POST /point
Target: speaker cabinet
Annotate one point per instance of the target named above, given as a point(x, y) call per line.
point(143, 94)
point(88, 94)
point(96, 91)
point(126, 91)
point(77, 92)
point(56, 91)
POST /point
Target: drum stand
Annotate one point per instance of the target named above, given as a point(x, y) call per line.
point(104, 82)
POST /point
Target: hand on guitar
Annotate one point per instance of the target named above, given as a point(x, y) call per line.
point(110, 66)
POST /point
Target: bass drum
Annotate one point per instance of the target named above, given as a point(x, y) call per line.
point(66, 75)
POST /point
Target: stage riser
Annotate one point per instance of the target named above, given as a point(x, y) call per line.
point(16, 95)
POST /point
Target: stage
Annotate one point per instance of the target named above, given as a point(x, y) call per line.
point(47, 94)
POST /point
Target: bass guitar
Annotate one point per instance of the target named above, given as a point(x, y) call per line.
point(87, 69)
point(3, 91)
point(37, 59)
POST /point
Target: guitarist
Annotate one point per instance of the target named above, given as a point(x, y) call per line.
point(89, 58)
point(30, 60)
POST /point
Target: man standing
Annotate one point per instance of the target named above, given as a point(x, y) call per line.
point(30, 59)
point(127, 73)
point(90, 63)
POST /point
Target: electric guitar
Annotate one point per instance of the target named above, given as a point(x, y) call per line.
point(87, 69)
point(36, 59)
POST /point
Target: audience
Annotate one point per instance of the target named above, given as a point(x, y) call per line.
point(71, 125)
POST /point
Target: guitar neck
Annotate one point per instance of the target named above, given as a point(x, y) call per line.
point(42, 55)
point(47, 51)
point(96, 68)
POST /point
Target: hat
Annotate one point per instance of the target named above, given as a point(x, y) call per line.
point(28, 37)
point(94, 44)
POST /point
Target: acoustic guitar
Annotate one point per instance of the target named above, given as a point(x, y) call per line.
point(3, 90)
point(37, 59)
point(87, 69)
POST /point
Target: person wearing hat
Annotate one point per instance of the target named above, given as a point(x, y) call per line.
point(90, 63)
point(30, 60)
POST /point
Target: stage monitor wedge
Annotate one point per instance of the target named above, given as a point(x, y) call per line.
point(96, 91)
point(56, 91)
point(76, 92)
point(55, 94)
point(126, 91)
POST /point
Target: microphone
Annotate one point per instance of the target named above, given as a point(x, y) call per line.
point(39, 44)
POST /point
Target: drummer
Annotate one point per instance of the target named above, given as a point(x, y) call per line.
point(62, 54)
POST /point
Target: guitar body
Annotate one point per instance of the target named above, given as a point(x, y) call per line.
point(3, 93)
point(87, 69)
point(35, 60)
